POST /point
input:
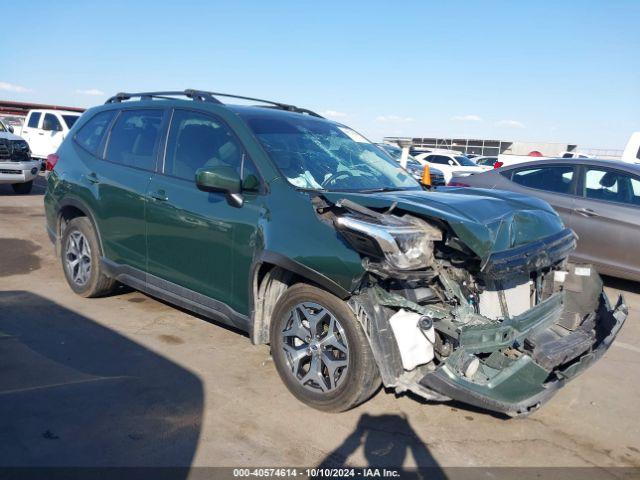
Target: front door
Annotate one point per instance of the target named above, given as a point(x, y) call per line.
point(607, 220)
point(197, 239)
point(122, 180)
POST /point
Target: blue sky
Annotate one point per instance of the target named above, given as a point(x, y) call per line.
point(523, 70)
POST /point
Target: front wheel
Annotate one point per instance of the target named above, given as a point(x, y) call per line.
point(320, 350)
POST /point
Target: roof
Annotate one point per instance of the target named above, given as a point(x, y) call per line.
point(597, 162)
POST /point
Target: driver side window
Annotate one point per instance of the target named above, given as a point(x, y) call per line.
point(198, 141)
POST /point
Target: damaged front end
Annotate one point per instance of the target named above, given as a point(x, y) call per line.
point(502, 331)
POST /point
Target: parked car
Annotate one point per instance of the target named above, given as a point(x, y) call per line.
point(486, 161)
point(451, 164)
point(414, 167)
point(598, 199)
point(16, 166)
point(46, 129)
point(297, 230)
point(574, 155)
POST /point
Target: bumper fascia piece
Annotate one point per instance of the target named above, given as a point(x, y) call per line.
point(524, 386)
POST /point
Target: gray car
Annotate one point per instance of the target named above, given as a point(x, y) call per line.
point(598, 199)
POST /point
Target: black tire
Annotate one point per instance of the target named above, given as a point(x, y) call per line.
point(97, 284)
point(361, 377)
point(22, 188)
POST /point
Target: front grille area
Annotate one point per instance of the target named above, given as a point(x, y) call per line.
point(5, 152)
point(10, 172)
point(14, 151)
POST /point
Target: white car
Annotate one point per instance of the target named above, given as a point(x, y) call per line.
point(16, 166)
point(45, 130)
point(450, 164)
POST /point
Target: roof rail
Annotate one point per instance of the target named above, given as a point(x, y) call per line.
point(204, 96)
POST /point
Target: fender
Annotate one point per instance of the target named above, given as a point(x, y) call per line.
point(84, 208)
point(301, 270)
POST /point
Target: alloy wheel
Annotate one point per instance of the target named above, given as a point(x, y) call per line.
point(78, 258)
point(316, 347)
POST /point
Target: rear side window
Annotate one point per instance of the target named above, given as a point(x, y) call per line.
point(92, 133)
point(134, 138)
point(33, 120)
point(439, 159)
point(51, 123)
point(551, 179)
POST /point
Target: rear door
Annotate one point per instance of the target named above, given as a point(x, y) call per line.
point(197, 239)
point(556, 184)
point(122, 180)
point(607, 220)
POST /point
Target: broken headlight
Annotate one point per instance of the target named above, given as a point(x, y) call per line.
point(406, 243)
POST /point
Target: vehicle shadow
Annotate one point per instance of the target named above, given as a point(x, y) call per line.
point(387, 441)
point(74, 393)
point(621, 284)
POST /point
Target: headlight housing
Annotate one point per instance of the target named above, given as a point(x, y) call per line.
point(406, 243)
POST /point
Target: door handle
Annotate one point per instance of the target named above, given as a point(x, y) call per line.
point(586, 212)
point(40, 133)
point(159, 195)
point(93, 178)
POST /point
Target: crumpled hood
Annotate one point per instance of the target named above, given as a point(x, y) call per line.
point(487, 221)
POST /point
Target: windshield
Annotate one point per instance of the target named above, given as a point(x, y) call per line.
point(316, 154)
point(465, 161)
point(70, 120)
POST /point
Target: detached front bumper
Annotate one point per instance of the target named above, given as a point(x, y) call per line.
point(518, 386)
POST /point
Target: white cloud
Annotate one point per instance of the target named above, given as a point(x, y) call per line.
point(334, 114)
point(510, 123)
point(92, 91)
point(467, 118)
point(393, 119)
point(10, 87)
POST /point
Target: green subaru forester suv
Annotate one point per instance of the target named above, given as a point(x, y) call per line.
point(299, 231)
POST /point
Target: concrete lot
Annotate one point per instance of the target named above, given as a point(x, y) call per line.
point(128, 380)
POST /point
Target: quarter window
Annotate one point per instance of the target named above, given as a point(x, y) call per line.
point(91, 134)
point(134, 138)
point(198, 141)
point(551, 179)
point(33, 120)
point(51, 123)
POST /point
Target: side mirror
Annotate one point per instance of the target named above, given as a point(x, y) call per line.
point(451, 162)
point(221, 179)
point(10, 127)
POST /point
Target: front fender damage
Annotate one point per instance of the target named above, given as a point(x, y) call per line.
point(504, 335)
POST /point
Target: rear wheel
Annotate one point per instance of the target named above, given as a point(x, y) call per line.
point(22, 188)
point(320, 350)
point(80, 255)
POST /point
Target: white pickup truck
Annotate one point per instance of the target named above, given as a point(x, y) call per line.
point(45, 130)
point(16, 165)
point(631, 152)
